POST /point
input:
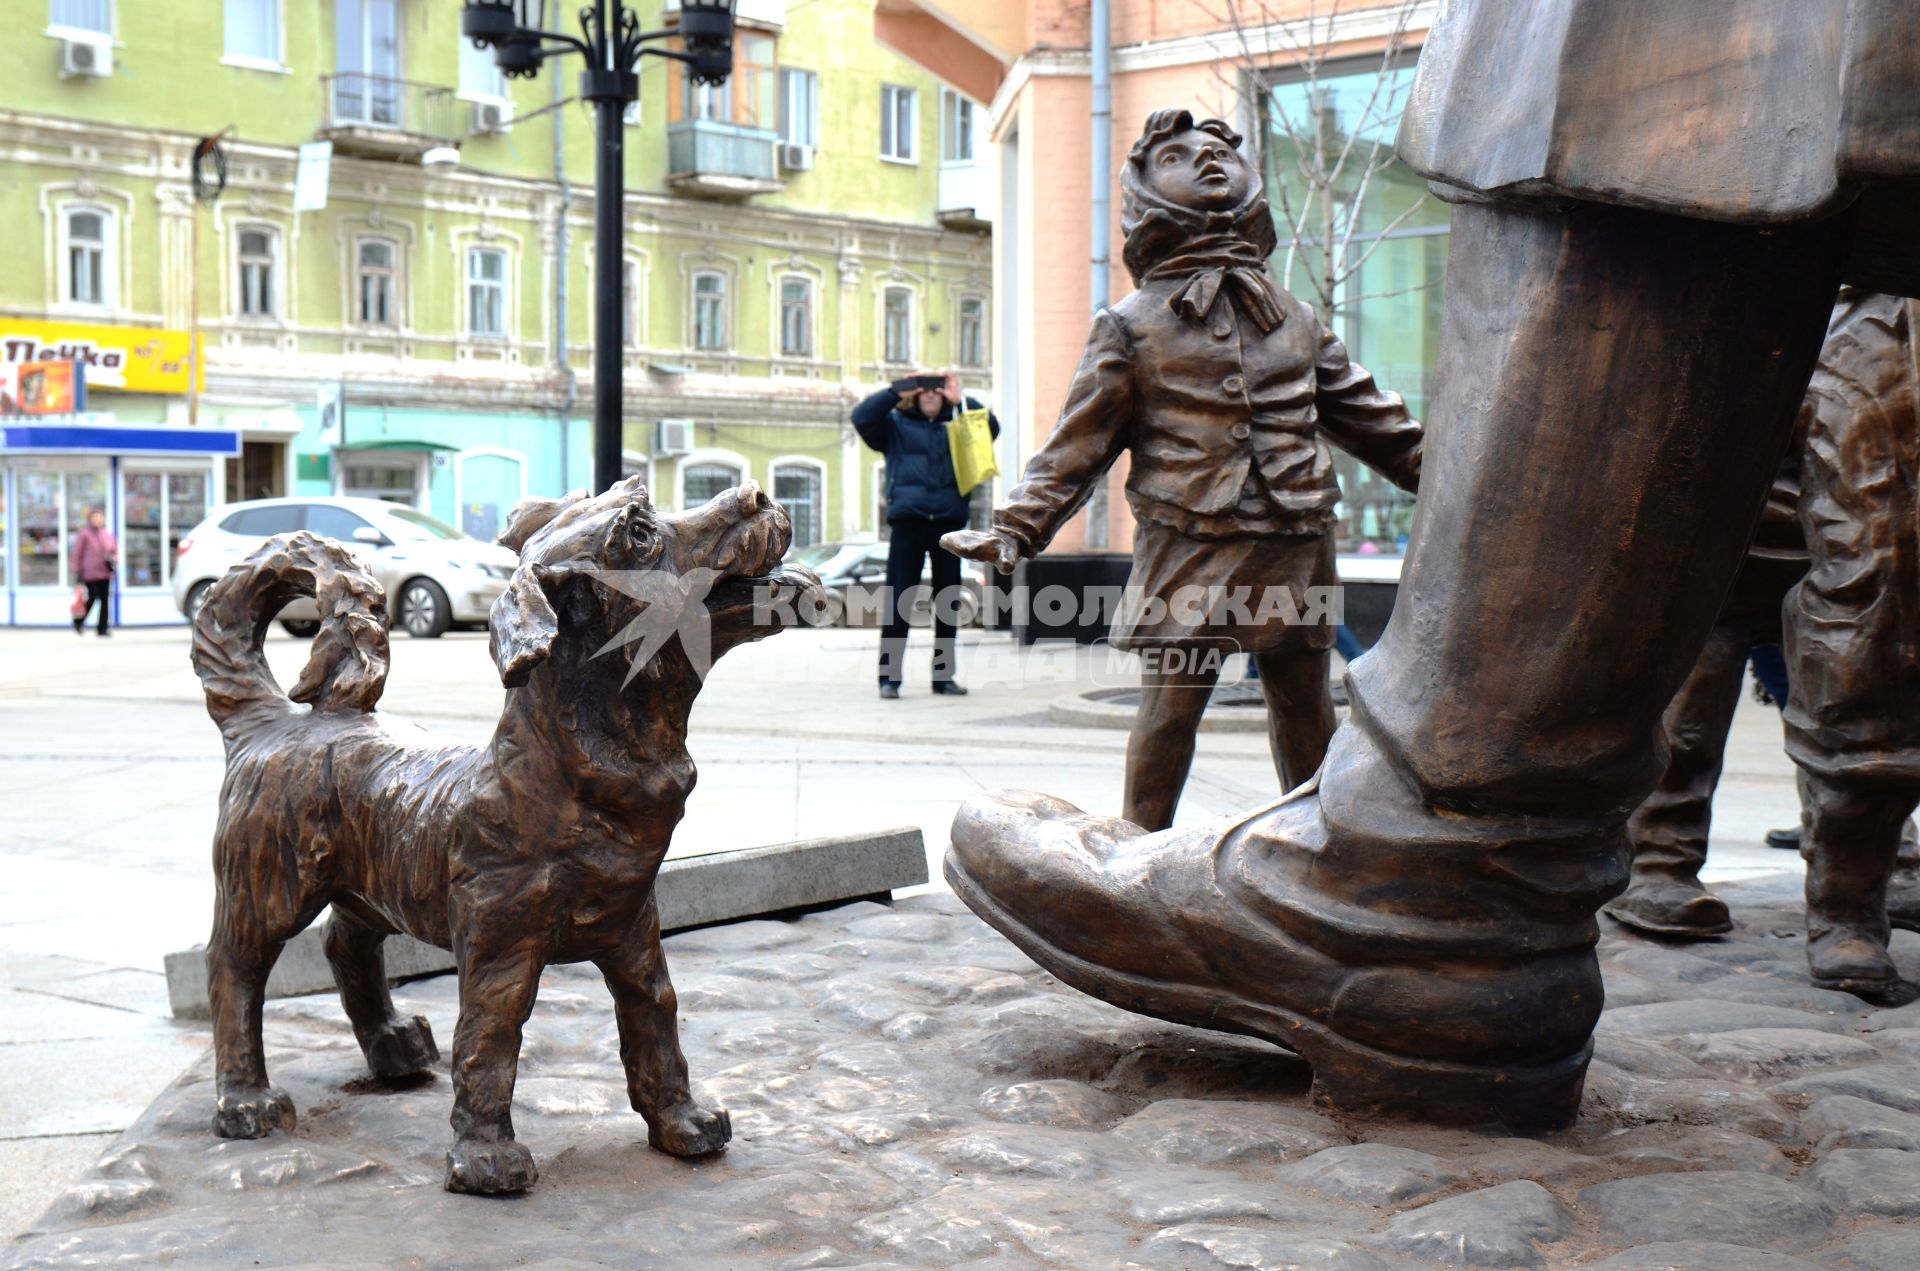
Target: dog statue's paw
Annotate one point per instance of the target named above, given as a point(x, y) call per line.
point(253, 1114)
point(490, 1169)
point(403, 1048)
point(690, 1130)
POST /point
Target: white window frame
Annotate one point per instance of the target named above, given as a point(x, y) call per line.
point(954, 105)
point(960, 331)
point(809, 106)
point(494, 86)
point(890, 96)
point(276, 275)
point(886, 350)
point(780, 315)
point(251, 62)
point(819, 471)
point(357, 317)
point(61, 30)
point(629, 302)
point(725, 321)
point(500, 286)
point(707, 458)
point(109, 298)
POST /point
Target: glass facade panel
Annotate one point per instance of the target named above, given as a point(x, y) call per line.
point(42, 546)
point(186, 508)
point(143, 536)
point(1363, 242)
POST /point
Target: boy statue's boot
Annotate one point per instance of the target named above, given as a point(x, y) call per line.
point(1853, 832)
point(1614, 392)
point(1667, 834)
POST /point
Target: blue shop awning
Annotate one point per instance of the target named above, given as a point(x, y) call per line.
point(94, 439)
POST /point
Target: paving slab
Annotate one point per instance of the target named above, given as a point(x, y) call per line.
point(907, 1091)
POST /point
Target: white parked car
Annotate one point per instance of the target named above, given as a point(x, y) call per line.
point(435, 575)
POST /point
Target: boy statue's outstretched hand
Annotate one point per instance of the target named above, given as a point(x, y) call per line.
point(990, 547)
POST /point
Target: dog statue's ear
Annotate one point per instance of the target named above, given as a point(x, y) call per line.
point(530, 516)
point(522, 624)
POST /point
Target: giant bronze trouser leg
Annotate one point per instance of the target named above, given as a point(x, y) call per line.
point(1668, 832)
point(1615, 390)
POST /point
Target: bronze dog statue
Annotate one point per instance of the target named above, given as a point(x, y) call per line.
point(541, 846)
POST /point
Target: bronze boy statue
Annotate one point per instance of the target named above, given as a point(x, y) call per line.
point(1221, 384)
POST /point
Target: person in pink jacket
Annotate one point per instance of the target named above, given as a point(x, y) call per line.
point(92, 555)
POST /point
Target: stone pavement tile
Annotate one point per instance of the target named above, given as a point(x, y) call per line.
point(1633, 1100)
point(1730, 1207)
point(1663, 1020)
point(1884, 1249)
point(1752, 1053)
point(1900, 1041)
point(1162, 1195)
point(92, 1085)
point(1372, 1174)
point(1844, 1121)
point(1701, 1255)
point(1200, 1246)
point(1661, 1148)
point(38, 1015)
point(1859, 1181)
point(1498, 1227)
point(1895, 1085)
point(1212, 1132)
point(36, 1169)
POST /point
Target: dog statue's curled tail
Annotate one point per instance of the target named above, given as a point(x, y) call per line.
point(347, 670)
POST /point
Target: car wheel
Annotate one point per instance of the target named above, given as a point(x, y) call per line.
point(301, 628)
point(424, 610)
point(197, 599)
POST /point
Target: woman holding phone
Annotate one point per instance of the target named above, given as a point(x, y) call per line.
point(907, 422)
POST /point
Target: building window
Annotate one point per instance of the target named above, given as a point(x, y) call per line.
point(799, 107)
point(700, 482)
point(1384, 295)
point(486, 291)
point(796, 487)
point(956, 128)
point(479, 76)
point(89, 242)
point(709, 310)
point(259, 255)
point(157, 511)
point(899, 122)
point(253, 31)
point(899, 325)
point(796, 317)
point(748, 98)
point(82, 15)
point(972, 339)
point(376, 269)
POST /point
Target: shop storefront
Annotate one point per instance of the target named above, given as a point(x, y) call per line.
point(154, 483)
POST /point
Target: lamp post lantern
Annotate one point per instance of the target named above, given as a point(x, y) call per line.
point(611, 45)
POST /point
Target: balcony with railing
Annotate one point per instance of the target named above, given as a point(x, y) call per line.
point(721, 160)
point(391, 118)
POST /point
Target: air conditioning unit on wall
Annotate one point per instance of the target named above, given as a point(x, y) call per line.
point(86, 57)
point(795, 158)
point(672, 437)
point(492, 116)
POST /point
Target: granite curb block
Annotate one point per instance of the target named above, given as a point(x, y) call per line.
point(693, 891)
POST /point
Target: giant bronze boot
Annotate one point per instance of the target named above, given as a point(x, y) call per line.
point(1615, 389)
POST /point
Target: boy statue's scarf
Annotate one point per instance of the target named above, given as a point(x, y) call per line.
point(1216, 252)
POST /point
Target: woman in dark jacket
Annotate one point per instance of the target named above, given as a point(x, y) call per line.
point(907, 423)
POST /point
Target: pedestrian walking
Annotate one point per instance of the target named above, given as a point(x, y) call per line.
point(93, 554)
point(907, 422)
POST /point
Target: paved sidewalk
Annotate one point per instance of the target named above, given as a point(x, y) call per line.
point(110, 773)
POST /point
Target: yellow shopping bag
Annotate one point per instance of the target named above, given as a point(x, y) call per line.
point(971, 439)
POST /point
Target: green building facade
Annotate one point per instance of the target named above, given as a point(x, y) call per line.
point(793, 240)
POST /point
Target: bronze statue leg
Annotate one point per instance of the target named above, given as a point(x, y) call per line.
point(239, 958)
point(1851, 837)
point(1300, 718)
point(657, 1086)
point(1160, 746)
point(1615, 391)
point(394, 1047)
point(497, 988)
point(1668, 832)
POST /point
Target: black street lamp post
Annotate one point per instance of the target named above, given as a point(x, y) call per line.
point(611, 43)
